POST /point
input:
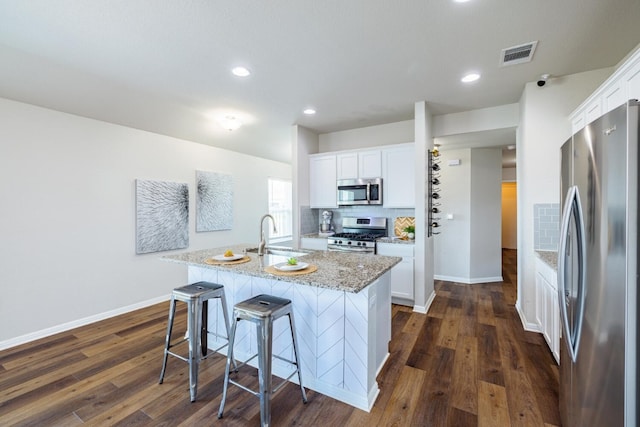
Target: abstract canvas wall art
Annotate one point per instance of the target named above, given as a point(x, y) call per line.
point(162, 216)
point(214, 201)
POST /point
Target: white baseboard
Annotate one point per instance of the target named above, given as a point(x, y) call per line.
point(469, 280)
point(23, 339)
point(424, 309)
point(528, 326)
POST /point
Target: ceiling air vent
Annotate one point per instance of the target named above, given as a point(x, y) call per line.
point(517, 54)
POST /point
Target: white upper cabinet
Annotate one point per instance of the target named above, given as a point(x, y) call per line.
point(633, 81)
point(622, 86)
point(593, 110)
point(577, 122)
point(359, 164)
point(393, 163)
point(347, 165)
point(369, 164)
point(613, 96)
point(398, 176)
point(322, 181)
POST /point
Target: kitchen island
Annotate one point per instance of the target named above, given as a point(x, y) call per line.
point(342, 313)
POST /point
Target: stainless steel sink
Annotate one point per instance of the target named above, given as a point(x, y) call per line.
point(281, 251)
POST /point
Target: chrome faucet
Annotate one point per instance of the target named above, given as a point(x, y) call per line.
point(263, 243)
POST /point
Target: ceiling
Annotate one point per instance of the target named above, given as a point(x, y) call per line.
point(164, 65)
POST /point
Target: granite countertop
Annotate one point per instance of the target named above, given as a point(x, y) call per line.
point(396, 240)
point(549, 257)
point(349, 272)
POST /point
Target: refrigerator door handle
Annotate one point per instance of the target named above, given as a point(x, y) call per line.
point(562, 256)
point(572, 209)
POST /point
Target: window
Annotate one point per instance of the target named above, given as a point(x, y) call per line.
point(281, 208)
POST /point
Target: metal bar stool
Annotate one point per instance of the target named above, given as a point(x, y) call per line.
point(197, 297)
point(262, 310)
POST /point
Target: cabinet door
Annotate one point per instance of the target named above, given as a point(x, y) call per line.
point(369, 164)
point(540, 300)
point(546, 316)
point(554, 333)
point(313, 244)
point(347, 166)
point(577, 122)
point(322, 181)
point(633, 82)
point(402, 273)
point(593, 110)
point(402, 279)
point(613, 96)
point(398, 176)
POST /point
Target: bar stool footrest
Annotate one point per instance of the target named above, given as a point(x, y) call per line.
point(245, 388)
point(184, 359)
point(214, 351)
point(273, 391)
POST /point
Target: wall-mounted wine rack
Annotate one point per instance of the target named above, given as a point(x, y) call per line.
point(433, 192)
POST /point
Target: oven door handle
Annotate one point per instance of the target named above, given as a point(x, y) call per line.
point(350, 249)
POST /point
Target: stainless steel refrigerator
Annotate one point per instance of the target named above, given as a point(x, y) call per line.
point(597, 272)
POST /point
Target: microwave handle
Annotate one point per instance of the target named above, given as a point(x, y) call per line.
point(368, 191)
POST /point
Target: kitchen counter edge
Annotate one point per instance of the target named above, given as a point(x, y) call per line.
point(349, 272)
point(549, 257)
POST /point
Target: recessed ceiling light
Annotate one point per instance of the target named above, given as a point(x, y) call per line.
point(471, 77)
point(309, 111)
point(240, 71)
point(230, 122)
point(460, 1)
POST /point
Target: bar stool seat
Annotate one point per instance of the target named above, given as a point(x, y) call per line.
point(196, 296)
point(262, 310)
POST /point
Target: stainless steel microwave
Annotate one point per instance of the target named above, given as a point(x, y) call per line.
point(359, 192)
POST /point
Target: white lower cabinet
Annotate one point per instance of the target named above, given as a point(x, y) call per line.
point(313, 243)
point(402, 273)
point(547, 310)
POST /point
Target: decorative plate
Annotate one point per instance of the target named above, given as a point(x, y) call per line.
point(234, 257)
point(284, 266)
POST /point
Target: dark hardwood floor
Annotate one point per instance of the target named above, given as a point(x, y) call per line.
point(468, 362)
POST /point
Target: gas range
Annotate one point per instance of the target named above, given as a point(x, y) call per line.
point(359, 235)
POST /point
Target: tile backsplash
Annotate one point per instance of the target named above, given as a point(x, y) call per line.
point(310, 218)
point(546, 226)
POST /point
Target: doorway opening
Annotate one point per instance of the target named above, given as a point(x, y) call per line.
point(509, 215)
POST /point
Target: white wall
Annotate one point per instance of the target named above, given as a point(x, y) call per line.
point(67, 186)
point(544, 126)
point(423, 250)
point(486, 215)
point(483, 119)
point(370, 136)
point(468, 248)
